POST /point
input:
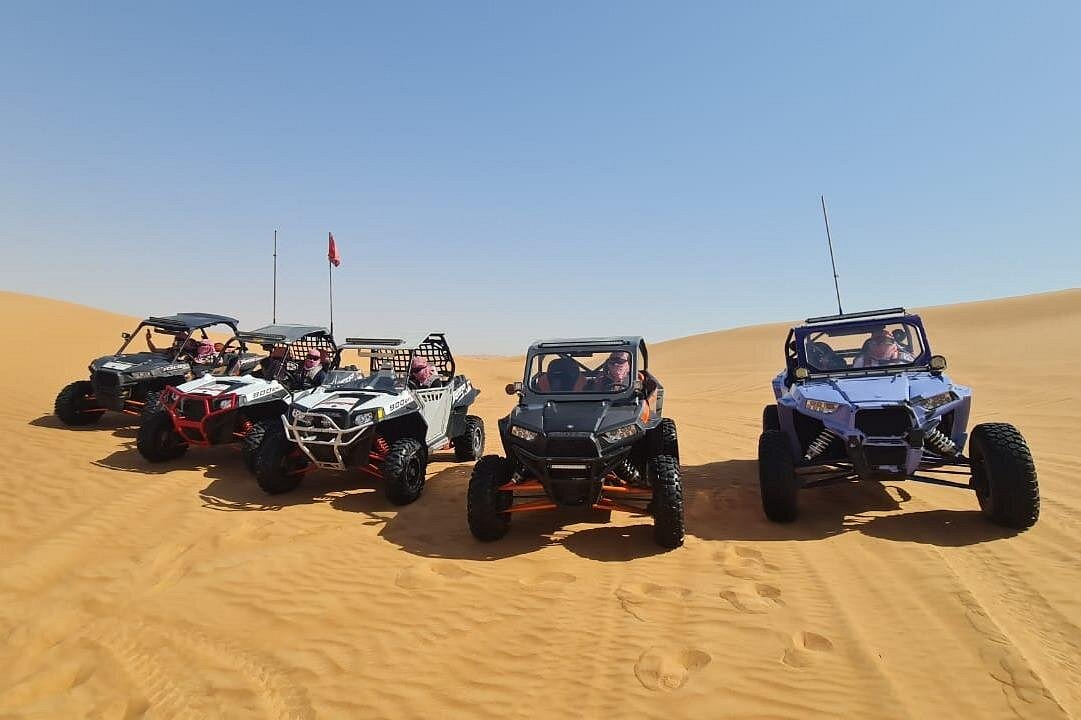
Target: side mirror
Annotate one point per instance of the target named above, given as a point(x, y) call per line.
point(513, 388)
point(125, 335)
point(801, 373)
point(938, 363)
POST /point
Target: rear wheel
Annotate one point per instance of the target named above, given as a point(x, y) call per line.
point(279, 464)
point(667, 503)
point(151, 405)
point(470, 444)
point(255, 437)
point(669, 439)
point(75, 405)
point(486, 504)
point(403, 471)
point(771, 418)
point(1004, 475)
point(158, 440)
point(777, 477)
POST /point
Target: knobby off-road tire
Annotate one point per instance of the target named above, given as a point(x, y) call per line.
point(151, 406)
point(777, 478)
point(73, 407)
point(667, 503)
point(470, 444)
point(279, 464)
point(253, 440)
point(771, 418)
point(403, 471)
point(158, 440)
point(486, 504)
point(669, 439)
point(1004, 476)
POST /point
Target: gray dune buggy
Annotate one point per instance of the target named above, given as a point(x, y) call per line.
point(587, 433)
point(378, 420)
point(241, 397)
point(131, 382)
point(862, 397)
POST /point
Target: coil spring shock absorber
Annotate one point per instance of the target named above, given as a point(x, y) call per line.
point(818, 445)
point(380, 446)
point(937, 441)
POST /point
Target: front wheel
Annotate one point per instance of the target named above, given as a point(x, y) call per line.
point(158, 440)
point(486, 504)
point(777, 478)
point(1004, 475)
point(279, 464)
point(470, 444)
point(667, 503)
point(669, 439)
point(403, 471)
point(75, 405)
point(253, 440)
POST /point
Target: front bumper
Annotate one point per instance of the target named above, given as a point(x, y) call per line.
point(326, 444)
point(572, 481)
point(197, 419)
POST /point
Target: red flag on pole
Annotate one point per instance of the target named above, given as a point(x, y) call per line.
point(332, 252)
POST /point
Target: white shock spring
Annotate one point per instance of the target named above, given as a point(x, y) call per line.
point(819, 445)
point(937, 441)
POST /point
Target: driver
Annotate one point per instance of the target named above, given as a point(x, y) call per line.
point(312, 372)
point(615, 373)
point(182, 343)
point(422, 374)
point(881, 349)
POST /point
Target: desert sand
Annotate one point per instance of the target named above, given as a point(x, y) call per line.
point(180, 590)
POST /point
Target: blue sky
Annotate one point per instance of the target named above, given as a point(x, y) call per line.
point(505, 171)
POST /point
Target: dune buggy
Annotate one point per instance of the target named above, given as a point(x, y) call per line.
point(377, 420)
point(862, 397)
point(588, 432)
point(241, 398)
point(131, 382)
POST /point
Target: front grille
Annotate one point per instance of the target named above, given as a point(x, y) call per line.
point(192, 409)
point(884, 422)
point(106, 379)
point(879, 456)
point(571, 446)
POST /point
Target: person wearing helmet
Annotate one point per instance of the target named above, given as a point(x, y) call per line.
point(422, 374)
point(881, 349)
point(614, 374)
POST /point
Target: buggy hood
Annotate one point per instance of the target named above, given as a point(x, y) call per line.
point(145, 362)
point(575, 416)
point(895, 388)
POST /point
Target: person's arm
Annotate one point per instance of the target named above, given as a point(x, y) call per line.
point(150, 342)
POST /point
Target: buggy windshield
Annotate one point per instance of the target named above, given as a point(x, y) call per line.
point(858, 347)
point(580, 371)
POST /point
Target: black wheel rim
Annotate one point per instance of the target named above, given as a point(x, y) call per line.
point(476, 441)
point(412, 474)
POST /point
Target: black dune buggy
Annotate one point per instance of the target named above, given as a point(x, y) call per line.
point(587, 433)
point(131, 383)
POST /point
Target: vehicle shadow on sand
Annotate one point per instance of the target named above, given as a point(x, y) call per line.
point(121, 426)
point(722, 502)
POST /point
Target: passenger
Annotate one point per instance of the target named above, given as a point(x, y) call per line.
point(422, 374)
point(205, 356)
point(615, 373)
point(881, 349)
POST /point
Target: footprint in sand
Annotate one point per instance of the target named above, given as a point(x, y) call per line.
point(805, 645)
point(668, 669)
point(640, 599)
point(756, 598)
point(744, 562)
point(428, 575)
point(549, 580)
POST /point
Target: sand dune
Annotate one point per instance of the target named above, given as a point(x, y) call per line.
point(130, 590)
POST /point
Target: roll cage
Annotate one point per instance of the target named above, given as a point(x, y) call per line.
point(181, 322)
point(635, 347)
point(396, 354)
point(287, 346)
point(851, 323)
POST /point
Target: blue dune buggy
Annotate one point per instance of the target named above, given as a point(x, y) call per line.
point(862, 397)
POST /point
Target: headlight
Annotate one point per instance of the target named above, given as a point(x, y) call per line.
point(225, 403)
point(821, 406)
point(294, 413)
point(364, 418)
point(142, 375)
point(520, 432)
point(936, 401)
point(620, 433)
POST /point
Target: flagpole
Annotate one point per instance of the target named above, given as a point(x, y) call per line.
point(274, 307)
point(330, 276)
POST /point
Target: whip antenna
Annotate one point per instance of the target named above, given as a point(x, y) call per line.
point(829, 240)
